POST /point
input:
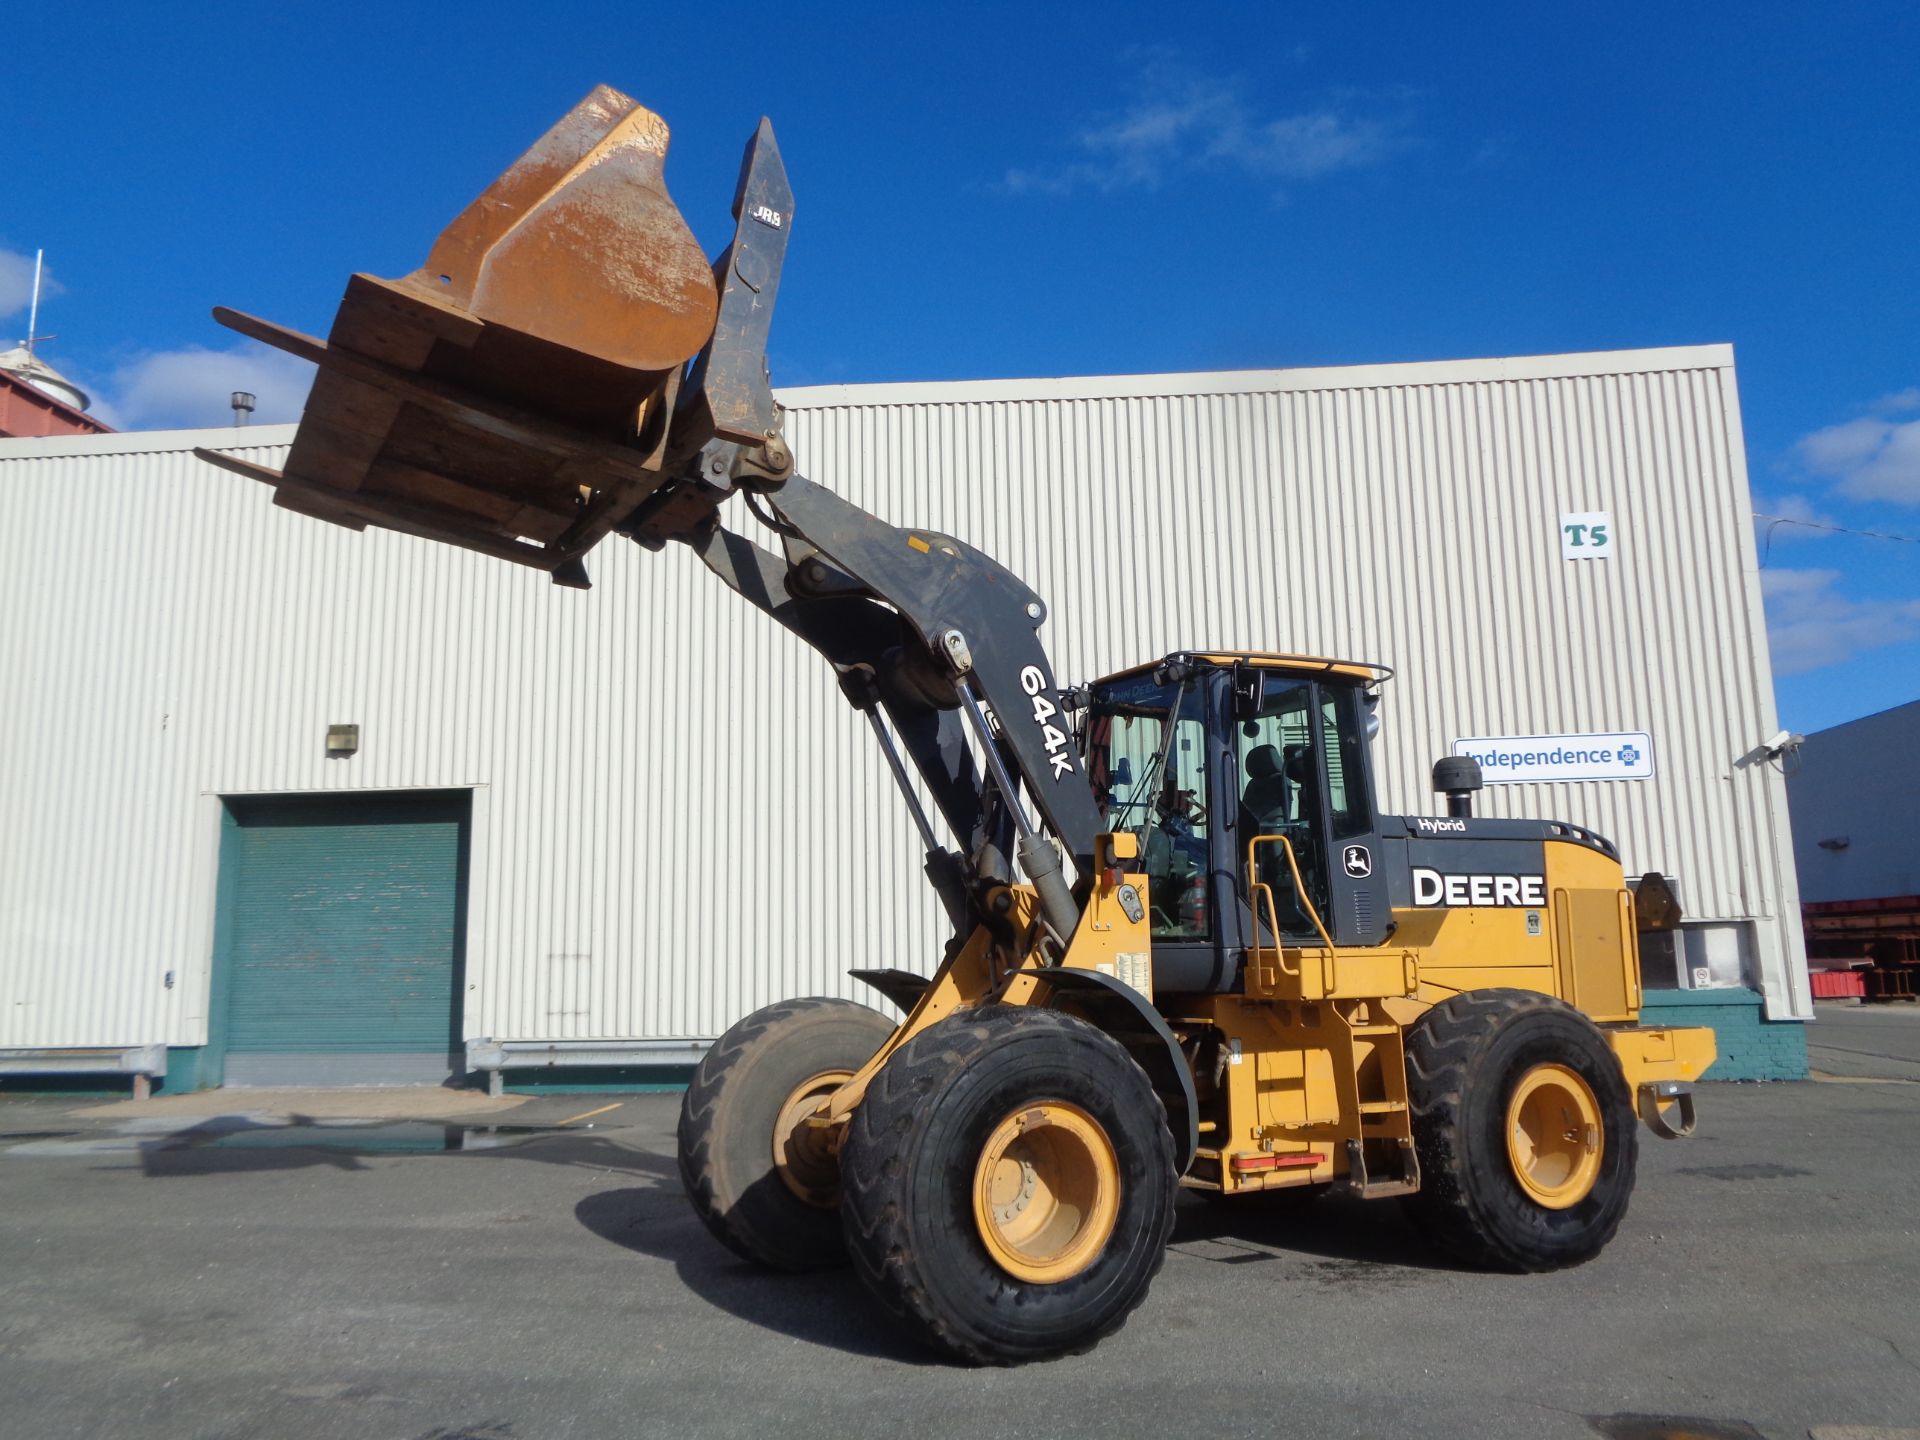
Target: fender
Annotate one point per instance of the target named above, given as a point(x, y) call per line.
point(1127, 1015)
point(902, 987)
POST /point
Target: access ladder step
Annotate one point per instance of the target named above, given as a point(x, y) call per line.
point(1360, 1183)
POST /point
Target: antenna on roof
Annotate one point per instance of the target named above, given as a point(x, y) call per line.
point(33, 312)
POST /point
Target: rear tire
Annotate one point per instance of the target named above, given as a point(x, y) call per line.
point(1525, 1131)
point(1009, 1185)
point(757, 1080)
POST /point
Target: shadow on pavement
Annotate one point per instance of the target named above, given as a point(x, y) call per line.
point(1334, 1228)
point(230, 1144)
point(238, 1144)
point(1345, 1242)
point(824, 1308)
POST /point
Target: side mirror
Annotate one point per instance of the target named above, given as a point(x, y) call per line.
point(1120, 775)
point(1249, 691)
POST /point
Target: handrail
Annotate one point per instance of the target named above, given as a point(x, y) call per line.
point(1300, 893)
point(1273, 920)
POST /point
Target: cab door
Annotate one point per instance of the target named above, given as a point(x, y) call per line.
point(1280, 814)
point(1358, 912)
point(1305, 777)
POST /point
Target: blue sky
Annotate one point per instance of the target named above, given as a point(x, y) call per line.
point(1043, 190)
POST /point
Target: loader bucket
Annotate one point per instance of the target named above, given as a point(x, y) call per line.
point(512, 395)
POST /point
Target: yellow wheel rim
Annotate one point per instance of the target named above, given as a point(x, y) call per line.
point(1046, 1192)
point(1555, 1140)
point(802, 1154)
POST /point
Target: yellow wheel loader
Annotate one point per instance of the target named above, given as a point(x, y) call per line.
point(1187, 947)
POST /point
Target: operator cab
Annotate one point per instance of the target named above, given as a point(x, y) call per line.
point(1205, 756)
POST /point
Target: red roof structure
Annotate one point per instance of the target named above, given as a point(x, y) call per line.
point(27, 410)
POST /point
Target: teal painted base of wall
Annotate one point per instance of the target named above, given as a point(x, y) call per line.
point(615, 1080)
point(189, 1068)
point(197, 1067)
point(1751, 1046)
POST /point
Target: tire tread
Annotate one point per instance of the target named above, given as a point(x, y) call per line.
point(706, 1094)
point(873, 1181)
point(1444, 1051)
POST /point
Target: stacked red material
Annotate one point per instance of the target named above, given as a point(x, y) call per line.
point(1838, 985)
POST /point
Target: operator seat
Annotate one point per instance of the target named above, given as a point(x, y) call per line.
point(1266, 809)
point(1264, 802)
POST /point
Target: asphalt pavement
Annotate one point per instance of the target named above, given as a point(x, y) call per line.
point(1873, 1041)
point(534, 1273)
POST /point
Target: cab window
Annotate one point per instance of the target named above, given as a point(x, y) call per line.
point(1147, 755)
point(1343, 728)
point(1280, 783)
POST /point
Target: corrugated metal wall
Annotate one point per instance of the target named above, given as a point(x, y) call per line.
point(675, 817)
point(1840, 791)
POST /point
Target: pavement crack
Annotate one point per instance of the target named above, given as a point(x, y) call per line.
point(1899, 1354)
point(1551, 1409)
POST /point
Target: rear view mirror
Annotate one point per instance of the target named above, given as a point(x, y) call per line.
point(1249, 691)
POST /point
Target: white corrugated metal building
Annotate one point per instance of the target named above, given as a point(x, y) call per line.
point(673, 818)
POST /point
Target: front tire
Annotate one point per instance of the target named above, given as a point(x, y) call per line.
point(1009, 1185)
point(766, 1188)
point(1525, 1131)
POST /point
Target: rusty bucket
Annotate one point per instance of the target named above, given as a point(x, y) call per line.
point(511, 396)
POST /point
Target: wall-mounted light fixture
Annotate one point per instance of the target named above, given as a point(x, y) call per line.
point(1836, 842)
point(342, 741)
point(1781, 742)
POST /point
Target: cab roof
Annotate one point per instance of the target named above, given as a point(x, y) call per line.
point(1302, 665)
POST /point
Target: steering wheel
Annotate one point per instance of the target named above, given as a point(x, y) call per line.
point(1179, 805)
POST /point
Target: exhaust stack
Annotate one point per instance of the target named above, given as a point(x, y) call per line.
point(1457, 777)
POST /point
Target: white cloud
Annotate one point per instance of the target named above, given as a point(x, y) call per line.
point(1304, 147)
point(1811, 625)
point(16, 287)
point(1872, 458)
point(194, 387)
point(1796, 509)
point(1185, 122)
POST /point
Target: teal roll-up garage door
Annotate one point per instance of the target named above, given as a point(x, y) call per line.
point(343, 940)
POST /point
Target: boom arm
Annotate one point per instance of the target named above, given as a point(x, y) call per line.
point(566, 366)
point(919, 624)
point(944, 633)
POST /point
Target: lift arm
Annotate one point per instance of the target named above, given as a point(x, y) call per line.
point(918, 624)
point(566, 366)
point(944, 631)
